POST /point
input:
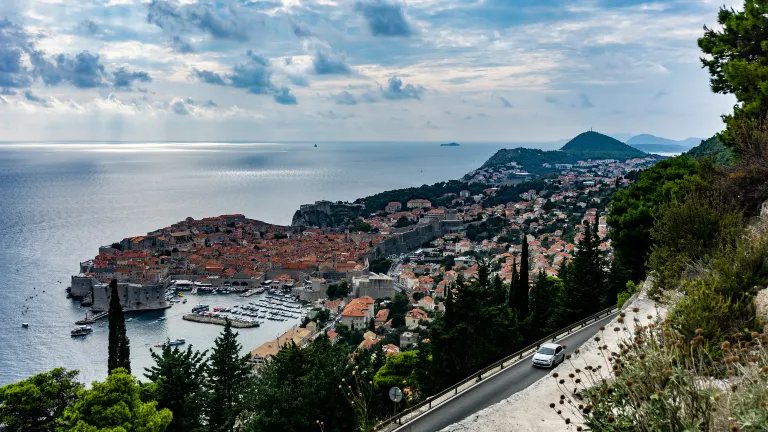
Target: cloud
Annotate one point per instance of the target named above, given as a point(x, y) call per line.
point(254, 75)
point(208, 77)
point(298, 80)
point(327, 64)
point(35, 99)
point(181, 45)
point(221, 21)
point(330, 115)
point(82, 71)
point(504, 102)
point(284, 97)
point(124, 78)
point(300, 30)
point(7, 92)
point(584, 101)
point(89, 27)
point(14, 44)
point(344, 98)
point(189, 106)
point(384, 19)
point(659, 95)
point(396, 91)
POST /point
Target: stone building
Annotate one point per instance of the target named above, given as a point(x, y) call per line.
point(373, 285)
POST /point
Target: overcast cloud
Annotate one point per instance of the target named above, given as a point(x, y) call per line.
point(537, 70)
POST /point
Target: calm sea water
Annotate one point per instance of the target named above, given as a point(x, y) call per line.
point(59, 202)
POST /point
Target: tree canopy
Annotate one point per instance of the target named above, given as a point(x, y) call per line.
point(114, 406)
point(299, 387)
point(228, 376)
point(737, 60)
point(36, 403)
point(179, 385)
point(634, 210)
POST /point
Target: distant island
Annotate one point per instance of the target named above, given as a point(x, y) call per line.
point(453, 144)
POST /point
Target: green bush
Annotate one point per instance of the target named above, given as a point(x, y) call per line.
point(713, 315)
point(688, 231)
point(624, 297)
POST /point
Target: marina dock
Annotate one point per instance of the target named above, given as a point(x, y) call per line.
point(236, 323)
point(93, 318)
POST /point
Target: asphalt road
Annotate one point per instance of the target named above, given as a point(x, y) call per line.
point(495, 389)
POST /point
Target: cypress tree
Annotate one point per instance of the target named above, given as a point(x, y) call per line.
point(228, 376)
point(119, 345)
point(498, 290)
point(522, 285)
point(513, 285)
point(584, 278)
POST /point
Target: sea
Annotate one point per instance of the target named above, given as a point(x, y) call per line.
point(60, 201)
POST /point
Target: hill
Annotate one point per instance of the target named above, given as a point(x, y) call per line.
point(712, 147)
point(589, 145)
point(593, 145)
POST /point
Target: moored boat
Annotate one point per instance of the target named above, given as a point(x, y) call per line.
point(81, 331)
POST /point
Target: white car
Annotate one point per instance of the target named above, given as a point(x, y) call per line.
point(549, 355)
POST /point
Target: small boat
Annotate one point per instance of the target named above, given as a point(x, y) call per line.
point(181, 295)
point(25, 325)
point(184, 301)
point(129, 320)
point(315, 145)
point(161, 319)
point(169, 342)
point(81, 331)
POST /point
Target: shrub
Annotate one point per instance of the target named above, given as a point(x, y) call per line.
point(687, 231)
point(712, 315)
point(651, 384)
point(623, 297)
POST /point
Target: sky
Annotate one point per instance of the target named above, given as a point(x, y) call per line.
point(354, 70)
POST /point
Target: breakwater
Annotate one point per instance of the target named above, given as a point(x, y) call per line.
point(236, 323)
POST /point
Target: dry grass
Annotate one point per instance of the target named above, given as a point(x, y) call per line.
point(659, 381)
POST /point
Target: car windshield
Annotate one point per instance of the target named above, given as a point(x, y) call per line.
point(546, 350)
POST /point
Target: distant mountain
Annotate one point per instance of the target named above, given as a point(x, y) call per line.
point(712, 147)
point(661, 148)
point(621, 136)
point(589, 145)
point(645, 139)
point(594, 145)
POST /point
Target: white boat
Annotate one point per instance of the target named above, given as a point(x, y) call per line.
point(81, 331)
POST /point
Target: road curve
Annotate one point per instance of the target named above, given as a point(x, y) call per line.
point(494, 389)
